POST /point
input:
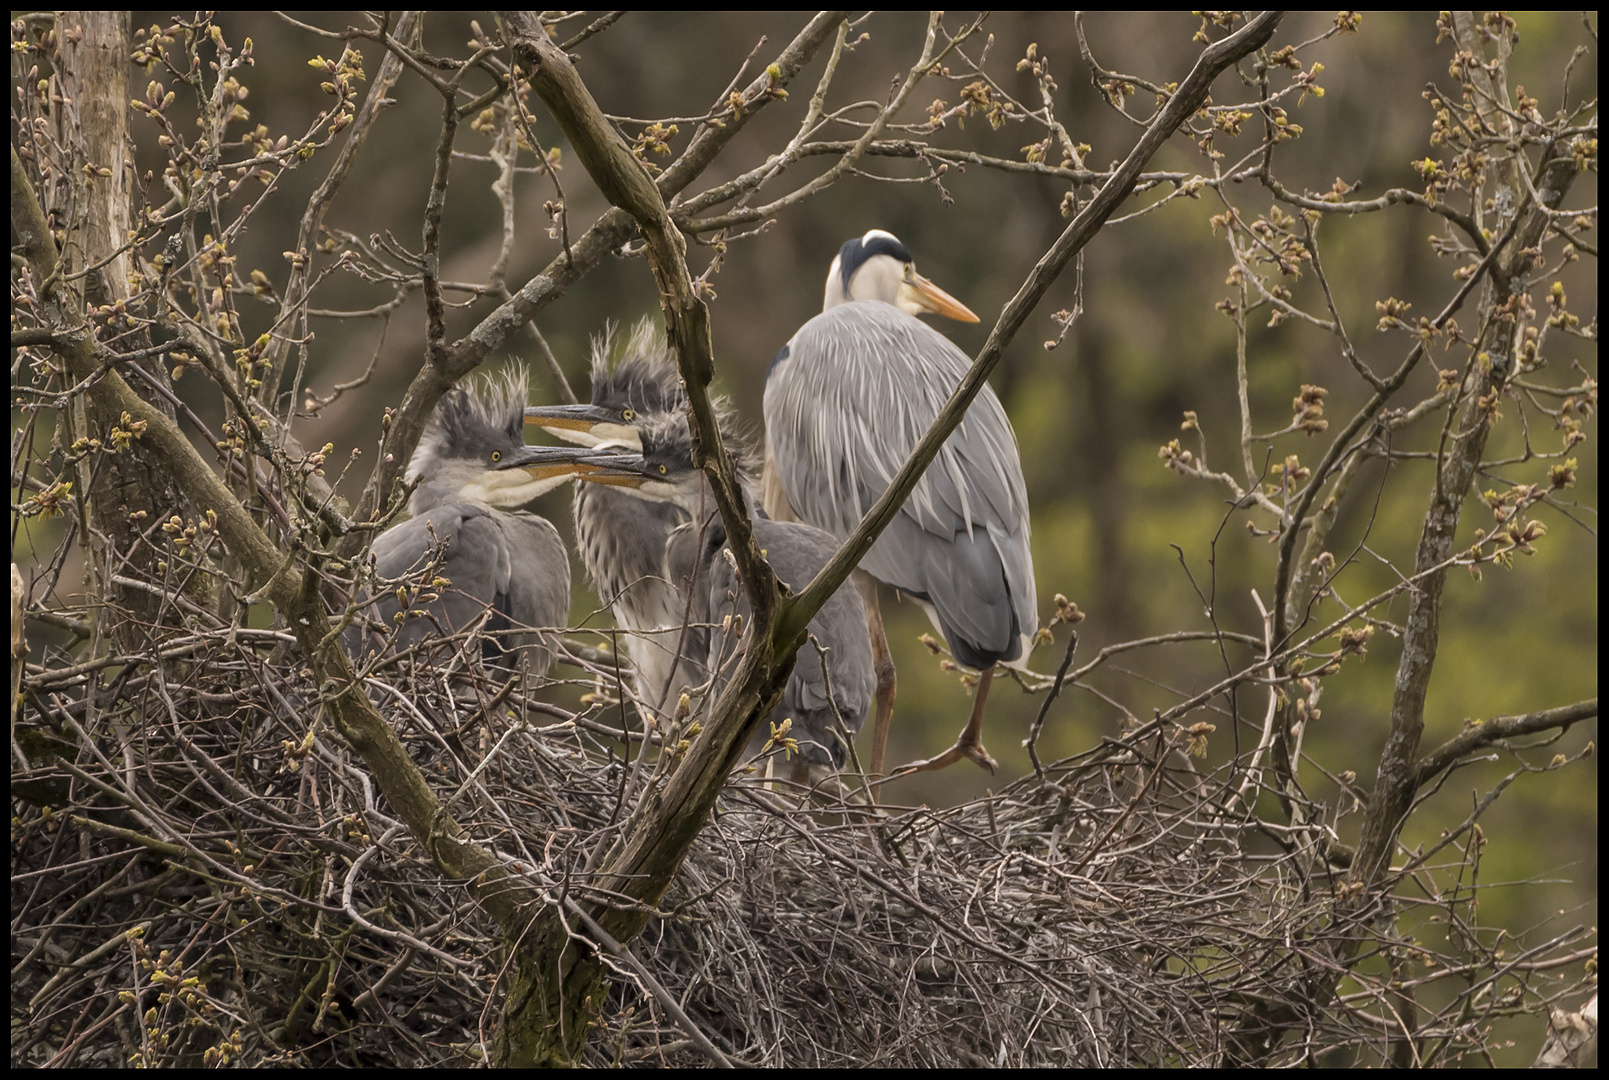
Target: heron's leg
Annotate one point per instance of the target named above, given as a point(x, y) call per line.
point(883, 663)
point(968, 744)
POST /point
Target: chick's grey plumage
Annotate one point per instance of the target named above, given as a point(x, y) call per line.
point(510, 562)
point(797, 552)
point(847, 400)
point(695, 556)
point(623, 551)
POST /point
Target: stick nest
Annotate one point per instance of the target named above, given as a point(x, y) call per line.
point(202, 874)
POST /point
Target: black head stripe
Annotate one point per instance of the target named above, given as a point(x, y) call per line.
point(855, 252)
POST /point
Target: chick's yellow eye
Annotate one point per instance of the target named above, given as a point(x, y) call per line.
point(663, 470)
point(497, 455)
point(627, 414)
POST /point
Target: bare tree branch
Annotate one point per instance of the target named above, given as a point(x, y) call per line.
point(1484, 733)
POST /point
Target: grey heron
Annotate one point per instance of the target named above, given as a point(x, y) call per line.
point(621, 536)
point(827, 688)
point(846, 400)
point(470, 552)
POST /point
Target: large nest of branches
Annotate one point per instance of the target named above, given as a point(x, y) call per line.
point(223, 885)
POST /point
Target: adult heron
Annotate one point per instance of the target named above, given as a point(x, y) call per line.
point(831, 690)
point(468, 553)
point(846, 401)
point(620, 535)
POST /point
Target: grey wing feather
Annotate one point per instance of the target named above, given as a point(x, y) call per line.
point(964, 591)
point(538, 583)
point(860, 385)
point(796, 553)
point(407, 548)
point(514, 564)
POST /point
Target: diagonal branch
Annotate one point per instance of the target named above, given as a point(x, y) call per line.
point(626, 184)
point(298, 287)
point(1484, 734)
point(1421, 632)
point(929, 61)
point(1284, 615)
point(711, 140)
point(665, 823)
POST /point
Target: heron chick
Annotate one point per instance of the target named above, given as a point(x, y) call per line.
point(468, 555)
point(621, 537)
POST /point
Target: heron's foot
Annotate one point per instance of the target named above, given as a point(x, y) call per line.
point(963, 748)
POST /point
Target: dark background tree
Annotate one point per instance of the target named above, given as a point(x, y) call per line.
point(1293, 639)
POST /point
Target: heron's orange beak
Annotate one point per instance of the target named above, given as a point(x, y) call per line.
point(929, 297)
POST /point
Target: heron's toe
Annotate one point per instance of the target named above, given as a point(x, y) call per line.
point(949, 757)
point(962, 749)
point(977, 753)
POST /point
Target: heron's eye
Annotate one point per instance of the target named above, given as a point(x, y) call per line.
point(627, 415)
point(497, 455)
point(663, 470)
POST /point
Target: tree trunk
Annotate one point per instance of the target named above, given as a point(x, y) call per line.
point(126, 493)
